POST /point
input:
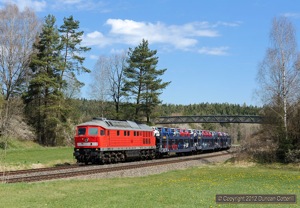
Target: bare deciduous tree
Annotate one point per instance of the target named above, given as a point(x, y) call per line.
point(118, 63)
point(279, 81)
point(278, 75)
point(100, 84)
point(18, 32)
point(108, 79)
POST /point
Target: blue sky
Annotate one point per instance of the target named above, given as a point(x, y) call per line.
point(211, 48)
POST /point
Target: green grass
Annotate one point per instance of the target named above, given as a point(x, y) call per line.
point(195, 187)
point(31, 158)
point(13, 143)
point(26, 154)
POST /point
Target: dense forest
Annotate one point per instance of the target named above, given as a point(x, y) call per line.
point(207, 109)
point(85, 109)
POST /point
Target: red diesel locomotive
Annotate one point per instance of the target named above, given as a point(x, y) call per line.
point(107, 141)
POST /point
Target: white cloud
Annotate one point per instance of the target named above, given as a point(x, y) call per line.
point(182, 37)
point(96, 38)
point(94, 57)
point(63, 5)
point(70, 1)
point(117, 51)
point(80, 5)
point(158, 31)
point(94, 35)
point(292, 15)
point(219, 51)
point(22, 4)
point(227, 24)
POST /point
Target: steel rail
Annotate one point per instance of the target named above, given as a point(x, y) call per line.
point(75, 173)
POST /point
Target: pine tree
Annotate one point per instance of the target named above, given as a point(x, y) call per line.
point(142, 82)
point(43, 95)
point(71, 50)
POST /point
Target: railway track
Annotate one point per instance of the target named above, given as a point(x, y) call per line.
point(44, 174)
point(28, 171)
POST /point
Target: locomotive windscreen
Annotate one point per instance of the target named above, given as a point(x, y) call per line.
point(81, 131)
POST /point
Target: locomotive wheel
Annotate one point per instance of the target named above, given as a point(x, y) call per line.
point(102, 161)
point(113, 157)
point(122, 157)
point(107, 159)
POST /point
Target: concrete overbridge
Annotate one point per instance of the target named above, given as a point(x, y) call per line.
point(209, 119)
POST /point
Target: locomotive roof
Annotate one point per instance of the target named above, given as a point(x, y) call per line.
point(116, 124)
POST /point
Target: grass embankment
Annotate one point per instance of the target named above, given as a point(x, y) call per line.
point(194, 187)
point(26, 154)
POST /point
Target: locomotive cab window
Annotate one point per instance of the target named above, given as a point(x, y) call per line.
point(102, 132)
point(81, 131)
point(93, 131)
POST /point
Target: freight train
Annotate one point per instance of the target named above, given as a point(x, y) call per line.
point(104, 141)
